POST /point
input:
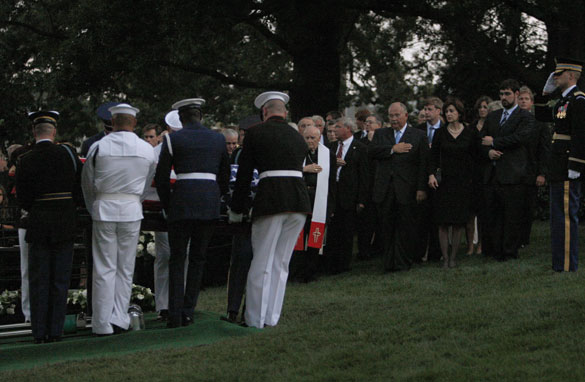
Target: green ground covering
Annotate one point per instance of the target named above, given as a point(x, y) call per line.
point(484, 321)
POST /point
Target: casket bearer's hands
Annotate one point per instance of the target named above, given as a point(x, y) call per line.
point(234, 217)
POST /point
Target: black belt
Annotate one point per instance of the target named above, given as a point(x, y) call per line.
point(54, 196)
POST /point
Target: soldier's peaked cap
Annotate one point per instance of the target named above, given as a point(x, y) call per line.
point(189, 103)
point(563, 63)
point(268, 96)
point(43, 116)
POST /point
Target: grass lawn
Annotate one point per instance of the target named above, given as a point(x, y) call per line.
point(484, 320)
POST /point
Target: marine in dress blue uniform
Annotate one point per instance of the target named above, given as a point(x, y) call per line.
point(200, 160)
point(567, 159)
point(47, 184)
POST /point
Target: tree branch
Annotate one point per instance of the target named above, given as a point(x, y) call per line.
point(264, 31)
point(54, 35)
point(222, 77)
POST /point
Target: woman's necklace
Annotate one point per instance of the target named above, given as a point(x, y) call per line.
point(455, 130)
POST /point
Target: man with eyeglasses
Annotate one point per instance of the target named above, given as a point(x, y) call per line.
point(567, 158)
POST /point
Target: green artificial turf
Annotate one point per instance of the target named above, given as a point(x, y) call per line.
point(484, 321)
point(21, 353)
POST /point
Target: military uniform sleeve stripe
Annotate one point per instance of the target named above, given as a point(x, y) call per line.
point(577, 160)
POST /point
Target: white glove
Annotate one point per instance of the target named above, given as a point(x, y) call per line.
point(574, 174)
point(234, 217)
point(550, 86)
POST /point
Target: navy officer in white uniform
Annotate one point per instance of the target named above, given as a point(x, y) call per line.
point(116, 172)
point(200, 160)
point(279, 209)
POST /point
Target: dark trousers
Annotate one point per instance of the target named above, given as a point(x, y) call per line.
point(504, 214)
point(564, 224)
point(241, 258)
point(366, 221)
point(428, 230)
point(49, 268)
point(87, 241)
point(399, 230)
point(340, 240)
point(530, 206)
point(182, 300)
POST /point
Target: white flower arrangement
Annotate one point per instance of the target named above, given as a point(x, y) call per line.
point(146, 244)
point(8, 302)
point(77, 299)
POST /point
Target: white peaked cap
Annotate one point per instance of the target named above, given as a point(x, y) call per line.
point(268, 96)
point(189, 103)
point(172, 120)
point(124, 108)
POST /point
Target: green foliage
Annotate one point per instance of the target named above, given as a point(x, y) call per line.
point(73, 56)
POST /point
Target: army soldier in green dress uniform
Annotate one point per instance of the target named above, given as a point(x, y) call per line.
point(567, 158)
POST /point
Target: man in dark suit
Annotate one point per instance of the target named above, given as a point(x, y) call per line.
point(47, 184)
point(360, 121)
point(279, 208)
point(106, 118)
point(199, 158)
point(538, 161)
point(507, 137)
point(400, 156)
point(369, 236)
point(428, 230)
point(351, 196)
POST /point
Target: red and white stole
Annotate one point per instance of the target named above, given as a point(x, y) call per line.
point(317, 229)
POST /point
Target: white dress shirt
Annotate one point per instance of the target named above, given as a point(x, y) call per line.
point(121, 164)
point(344, 150)
point(150, 193)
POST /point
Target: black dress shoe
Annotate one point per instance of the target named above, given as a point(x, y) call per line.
point(163, 315)
point(53, 339)
point(38, 341)
point(231, 317)
point(118, 330)
point(173, 324)
point(187, 321)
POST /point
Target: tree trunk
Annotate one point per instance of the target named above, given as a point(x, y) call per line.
point(315, 32)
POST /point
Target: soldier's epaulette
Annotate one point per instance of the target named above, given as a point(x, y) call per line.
point(579, 94)
point(23, 155)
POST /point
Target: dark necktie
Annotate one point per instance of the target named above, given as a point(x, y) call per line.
point(504, 117)
point(340, 150)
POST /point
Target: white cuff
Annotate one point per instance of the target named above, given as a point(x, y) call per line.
point(574, 174)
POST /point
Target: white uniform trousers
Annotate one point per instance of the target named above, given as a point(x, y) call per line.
point(161, 270)
point(24, 293)
point(114, 255)
point(273, 241)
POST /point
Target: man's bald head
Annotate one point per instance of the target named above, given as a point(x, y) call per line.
point(397, 115)
point(274, 107)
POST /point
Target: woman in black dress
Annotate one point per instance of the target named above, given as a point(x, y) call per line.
point(481, 111)
point(452, 156)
